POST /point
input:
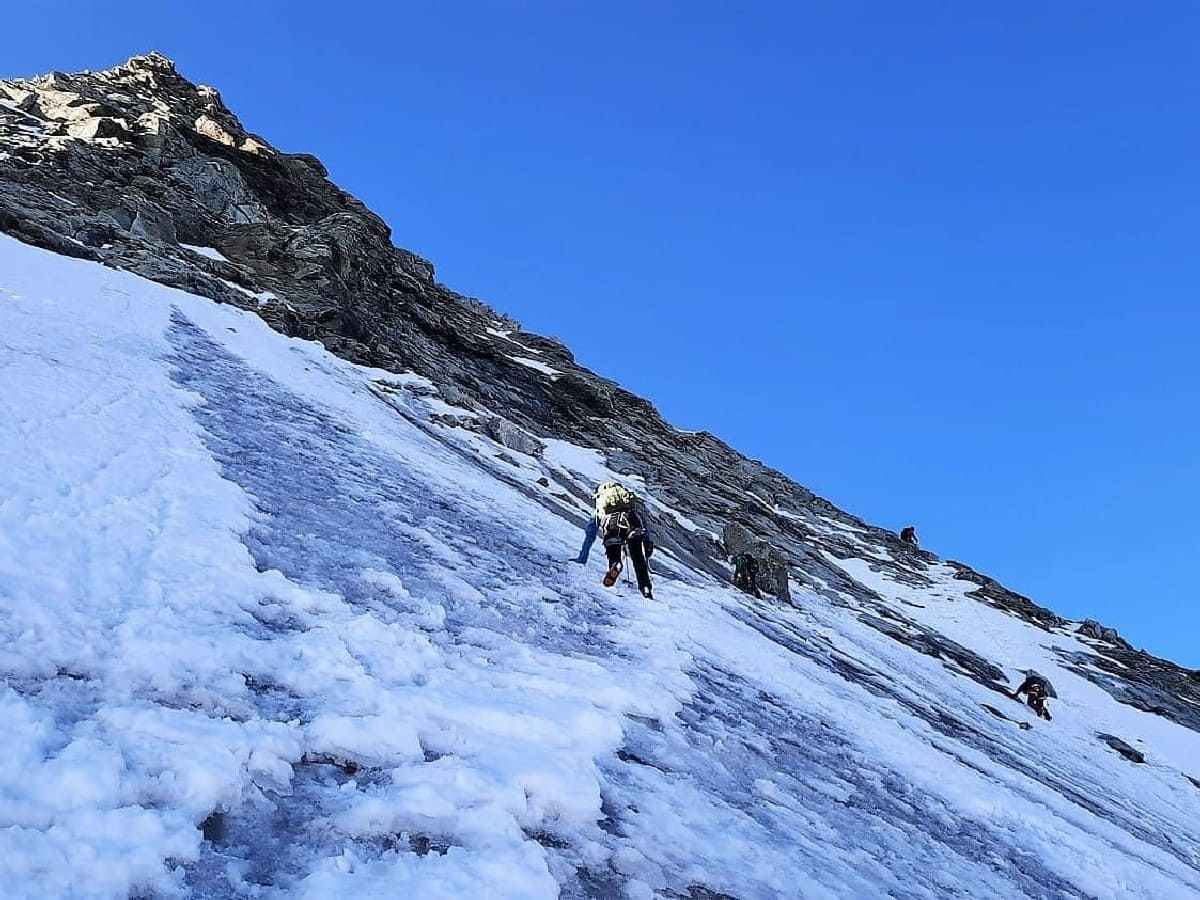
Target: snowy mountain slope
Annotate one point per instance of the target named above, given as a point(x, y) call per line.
point(272, 625)
point(140, 169)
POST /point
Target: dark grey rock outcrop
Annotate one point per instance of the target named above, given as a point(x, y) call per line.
point(1093, 629)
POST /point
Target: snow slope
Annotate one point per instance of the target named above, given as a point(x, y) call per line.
point(270, 629)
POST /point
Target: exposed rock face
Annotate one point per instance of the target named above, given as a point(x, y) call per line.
point(133, 166)
point(1093, 629)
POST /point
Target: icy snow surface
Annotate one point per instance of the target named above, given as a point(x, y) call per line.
point(268, 630)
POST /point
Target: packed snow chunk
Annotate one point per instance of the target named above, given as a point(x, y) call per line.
point(456, 802)
point(560, 801)
point(370, 741)
point(198, 763)
point(389, 653)
point(97, 853)
point(355, 663)
point(518, 873)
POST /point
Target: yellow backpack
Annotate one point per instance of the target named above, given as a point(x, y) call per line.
point(612, 497)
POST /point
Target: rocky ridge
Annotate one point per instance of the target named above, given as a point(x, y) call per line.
point(140, 169)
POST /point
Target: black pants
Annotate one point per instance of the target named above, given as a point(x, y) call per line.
point(637, 553)
point(625, 529)
point(1037, 702)
point(748, 585)
point(745, 576)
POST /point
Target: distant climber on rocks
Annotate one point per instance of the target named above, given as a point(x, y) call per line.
point(745, 574)
point(908, 534)
point(621, 519)
point(1037, 690)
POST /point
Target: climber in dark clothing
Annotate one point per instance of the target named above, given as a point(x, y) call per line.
point(745, 574)
point(908, 534)
point(621, 520)
point(1037, 691)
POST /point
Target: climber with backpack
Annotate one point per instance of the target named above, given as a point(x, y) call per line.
point(908, 534)
point(620, 518)
point(1037, 690)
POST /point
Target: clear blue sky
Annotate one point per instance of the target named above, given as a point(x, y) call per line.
point(936, 261)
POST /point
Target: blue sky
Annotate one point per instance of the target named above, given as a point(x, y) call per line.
point(936, 261)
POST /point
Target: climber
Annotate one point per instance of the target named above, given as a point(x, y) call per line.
point(621, 518)
point(908, 534)
point(1037, 690)
point(745, 574)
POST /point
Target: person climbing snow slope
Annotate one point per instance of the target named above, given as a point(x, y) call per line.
point(1037, 690)
point(908, 534)
point(621, 519)
point(745, 574)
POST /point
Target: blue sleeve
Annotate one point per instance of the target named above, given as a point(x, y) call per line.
point(589, 538)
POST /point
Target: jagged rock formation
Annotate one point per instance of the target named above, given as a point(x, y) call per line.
point(1093, 629)
point(772, 567)
point(135, 166)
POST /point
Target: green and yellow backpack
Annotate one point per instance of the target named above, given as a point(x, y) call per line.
point(613, 497)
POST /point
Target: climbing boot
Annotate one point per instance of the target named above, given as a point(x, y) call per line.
point(613, 574)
